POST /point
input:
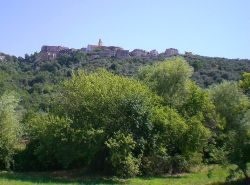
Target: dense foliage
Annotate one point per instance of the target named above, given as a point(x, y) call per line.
point(9, 129)
point(33, 77)
point(158, 121)
point(117, 125)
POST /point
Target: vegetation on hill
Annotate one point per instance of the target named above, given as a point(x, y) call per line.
point(125, 120)
point(33, 78)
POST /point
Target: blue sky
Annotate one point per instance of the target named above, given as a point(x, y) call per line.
point(206, 27)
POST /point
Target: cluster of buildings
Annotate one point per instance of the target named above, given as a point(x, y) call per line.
point(100, 51)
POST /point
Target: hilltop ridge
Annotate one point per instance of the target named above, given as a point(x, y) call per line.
point(100, 51)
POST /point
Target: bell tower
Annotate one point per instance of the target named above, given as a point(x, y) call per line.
point(100, 42)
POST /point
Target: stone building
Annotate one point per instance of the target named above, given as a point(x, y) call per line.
point(51, 52)
point(138, 53)
point(99, 51)
point(114, 48)
point(171, 52)
point(121, 54)
point(91, 47)
point(106, 52)
point(49, 56)
point(153, 53)
point(53, 49)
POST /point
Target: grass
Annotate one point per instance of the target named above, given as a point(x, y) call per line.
point(200, 177)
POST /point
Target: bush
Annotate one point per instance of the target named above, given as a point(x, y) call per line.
point(177, 144)
point(121, 157)
point(79, 130)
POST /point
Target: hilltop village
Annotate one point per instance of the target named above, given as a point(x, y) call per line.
point(101, 51)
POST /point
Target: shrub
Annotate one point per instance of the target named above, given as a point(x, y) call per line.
point(121, 157)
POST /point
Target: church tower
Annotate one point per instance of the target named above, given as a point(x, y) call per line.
point(100, 42)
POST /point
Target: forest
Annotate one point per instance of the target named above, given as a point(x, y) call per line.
point(124, 118)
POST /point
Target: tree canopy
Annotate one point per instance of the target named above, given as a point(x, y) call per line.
point(156, 122)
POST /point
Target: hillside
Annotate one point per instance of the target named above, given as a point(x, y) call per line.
point(120, 120)
point(34, 75)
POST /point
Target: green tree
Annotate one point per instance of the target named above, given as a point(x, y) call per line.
point(230, 102)
point(9, 129)
point(198, 103)
point(178, 143)
point(87, 112)
point(169, 79)
point(238, 145)
point(245, 83)
point(233, 138)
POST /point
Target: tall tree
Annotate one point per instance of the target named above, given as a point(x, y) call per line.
point(9, 129)
point(234, 137)
point(169, 79)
